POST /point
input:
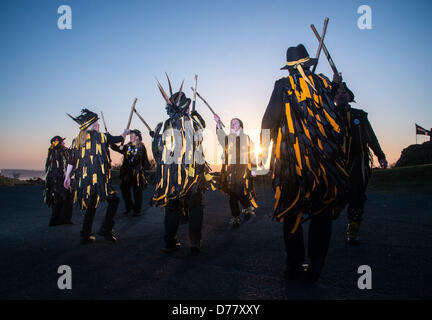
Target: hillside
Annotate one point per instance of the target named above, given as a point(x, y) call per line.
point(408, 180)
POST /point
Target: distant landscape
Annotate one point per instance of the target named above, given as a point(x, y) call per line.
point(406, 180)
point(22, 174)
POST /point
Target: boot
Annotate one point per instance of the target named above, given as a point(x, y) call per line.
point(172, 248)
point(235, 222)
point(295, 271)
point(108, 234)
point(312, 271)
point(248, 212)
point(87, 238)
point(195, 247)
point(310, 275)
point(352, 232)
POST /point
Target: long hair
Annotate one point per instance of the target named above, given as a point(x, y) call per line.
point(240, 122)
point(82, 135)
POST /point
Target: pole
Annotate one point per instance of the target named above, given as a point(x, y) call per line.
point(326, 20)
point(206, 103)
point(329, 58)
point(130, 117)
point(104, 123)
point(195, 93)
point(142, 119)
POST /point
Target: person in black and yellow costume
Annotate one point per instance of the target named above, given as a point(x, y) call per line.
point(238, 169)
point(182, 174)
point(55, 194)
point(309, 177)
point(92, 173)
point(361, 139)
point(132, 171)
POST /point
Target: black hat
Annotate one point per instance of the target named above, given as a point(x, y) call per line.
point(181, 101)
point(177, 104)
point(85, 119)
point(57, 139)
point(298, 55)
point(137, 133)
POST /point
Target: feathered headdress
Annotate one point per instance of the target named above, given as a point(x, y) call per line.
point(85, 119)
point(177, 104)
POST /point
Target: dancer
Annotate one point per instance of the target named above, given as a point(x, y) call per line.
point(238, 169)
point(132, 171)
point(56, 196)
point(91, 168)
point(361, 139)
point(182, 175)
point(308, 170)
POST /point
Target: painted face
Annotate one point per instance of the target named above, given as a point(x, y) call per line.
point(235, 125)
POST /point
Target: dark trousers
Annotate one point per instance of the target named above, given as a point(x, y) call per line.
point(108, 224)
point(136, 204)
point(62, 210)
point(356, 196)
point(234, 201)
point(318, 241)
point(173, 212)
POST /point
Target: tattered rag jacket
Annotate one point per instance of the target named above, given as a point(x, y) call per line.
point(309, 165)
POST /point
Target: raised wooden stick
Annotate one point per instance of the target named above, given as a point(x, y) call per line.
point(205, 102)
point(194, 93)
point(104, 123)
point(329, 58)
point(130, 117)
point(142, 119)
point(326, 20)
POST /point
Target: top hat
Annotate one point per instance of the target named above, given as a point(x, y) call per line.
point(298, 55)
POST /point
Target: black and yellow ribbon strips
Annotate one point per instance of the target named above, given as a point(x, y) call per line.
point(309, 168)
point(92, 170)
point(176, 178)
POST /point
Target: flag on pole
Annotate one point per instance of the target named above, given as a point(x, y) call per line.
point(422, 131)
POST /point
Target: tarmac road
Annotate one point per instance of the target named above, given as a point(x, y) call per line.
point(246, 263)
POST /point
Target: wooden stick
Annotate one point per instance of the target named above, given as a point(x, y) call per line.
point(194, 93)
point(130, 117)
point(326, 20)
point(104, 123)
point(329, 58)
point(142, 119)
point(205, 102)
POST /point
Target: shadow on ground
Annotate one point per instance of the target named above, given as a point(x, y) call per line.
point(235, 264)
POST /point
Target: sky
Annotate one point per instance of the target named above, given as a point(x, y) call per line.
point(116, 48)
